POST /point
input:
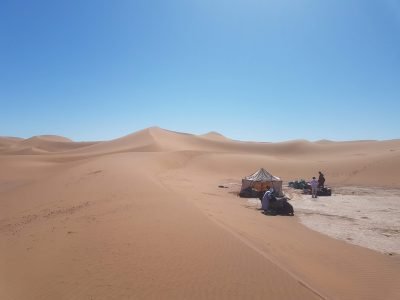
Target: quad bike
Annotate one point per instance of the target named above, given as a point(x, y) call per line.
point(322, 191)
point(279, 206)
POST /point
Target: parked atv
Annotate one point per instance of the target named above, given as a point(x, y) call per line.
point(279, 206)
point(322, 191)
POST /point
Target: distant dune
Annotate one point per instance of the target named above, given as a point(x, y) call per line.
point(214, 135)
point(39, 145)
point(142, 217)
point(6, 142)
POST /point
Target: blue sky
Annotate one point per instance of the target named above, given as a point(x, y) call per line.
point(249, 69)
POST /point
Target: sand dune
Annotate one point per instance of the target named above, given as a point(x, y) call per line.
point(49, 138)
point(6, 142)
point(40, 145)
point(215, 136)
point(142, 217)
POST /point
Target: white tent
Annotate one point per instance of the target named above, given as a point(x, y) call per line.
point(262, 181)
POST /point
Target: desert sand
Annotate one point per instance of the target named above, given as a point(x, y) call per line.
point(142, 217)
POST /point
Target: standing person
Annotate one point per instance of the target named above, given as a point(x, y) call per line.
point(321, 180)
point(314, 187)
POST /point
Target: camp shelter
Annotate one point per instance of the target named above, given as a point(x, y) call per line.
point(261, 181)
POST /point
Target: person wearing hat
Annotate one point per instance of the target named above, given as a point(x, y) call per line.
point(314, 187)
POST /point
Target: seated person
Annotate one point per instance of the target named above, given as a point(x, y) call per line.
point(268, 196)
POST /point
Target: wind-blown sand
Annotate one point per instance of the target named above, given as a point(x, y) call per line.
point(142, 217)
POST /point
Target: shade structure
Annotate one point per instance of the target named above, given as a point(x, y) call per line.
point(262, 180)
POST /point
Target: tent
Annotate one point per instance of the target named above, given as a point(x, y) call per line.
point(262, 181)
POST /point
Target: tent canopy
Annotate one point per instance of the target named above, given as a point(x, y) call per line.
point(262, 175)
point(261, 181)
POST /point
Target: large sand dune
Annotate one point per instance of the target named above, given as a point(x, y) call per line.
point(142, 217)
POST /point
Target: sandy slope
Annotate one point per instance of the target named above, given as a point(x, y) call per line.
point(142, 217)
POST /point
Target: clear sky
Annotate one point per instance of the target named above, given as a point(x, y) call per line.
point(250, 69)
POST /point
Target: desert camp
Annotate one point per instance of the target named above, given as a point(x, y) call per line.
point(199, 150)
point(134, 216)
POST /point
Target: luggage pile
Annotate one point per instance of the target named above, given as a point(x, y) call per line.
point(298, 184)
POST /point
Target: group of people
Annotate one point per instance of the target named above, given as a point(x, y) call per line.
point(315, 184)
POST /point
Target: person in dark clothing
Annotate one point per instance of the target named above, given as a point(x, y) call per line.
point(321, 180)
